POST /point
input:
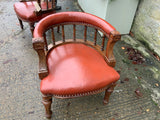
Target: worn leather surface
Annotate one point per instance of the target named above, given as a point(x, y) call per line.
point(25, 11)
point(76, 68)
point(63, 17)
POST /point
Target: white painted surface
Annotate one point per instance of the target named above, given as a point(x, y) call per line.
point(95, 7)
point(119, 13)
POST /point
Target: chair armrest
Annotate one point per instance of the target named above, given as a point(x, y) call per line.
point(113, 38)
point(38, 45)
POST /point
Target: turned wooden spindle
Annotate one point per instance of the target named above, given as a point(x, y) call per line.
point(53, 37)
point(74, 32)
point(103, 42)
point(63, 34)
point(95, 37)
point(85, 33)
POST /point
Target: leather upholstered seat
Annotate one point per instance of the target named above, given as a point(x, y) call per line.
point(76, 69)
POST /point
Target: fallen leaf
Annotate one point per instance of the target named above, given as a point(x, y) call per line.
point(131, 34)
point(134, 62)
point(139, 77)
point(136, 69)
point(126, 79)
point(69, 103)
point(138, 93)
point(135, 56)
point(157, 57)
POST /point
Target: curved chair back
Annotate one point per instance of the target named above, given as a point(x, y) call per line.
point(86, 20)
point(75, 19)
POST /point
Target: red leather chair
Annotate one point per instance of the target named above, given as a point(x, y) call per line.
point(75, 67)
point(27, 12)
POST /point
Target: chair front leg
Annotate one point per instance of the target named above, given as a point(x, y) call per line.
point(108, 92)
point(47, 101)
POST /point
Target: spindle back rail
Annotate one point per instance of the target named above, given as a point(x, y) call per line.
point(50, 6)
point(88, 42)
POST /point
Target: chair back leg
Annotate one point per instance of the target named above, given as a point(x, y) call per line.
point(21, 24)
point(31, 27)
point(47, 101)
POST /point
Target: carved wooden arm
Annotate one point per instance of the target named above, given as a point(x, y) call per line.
point(113, 38)
point(38, 45)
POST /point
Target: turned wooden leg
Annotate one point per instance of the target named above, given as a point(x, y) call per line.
point(21, 24)
point(57, 29)
point(47, 101)
point(31, 27)
point(108, 93)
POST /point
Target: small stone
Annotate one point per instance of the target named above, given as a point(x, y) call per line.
point(157, 84)
point(32, 112)
point(147, 110)
point(122, 48)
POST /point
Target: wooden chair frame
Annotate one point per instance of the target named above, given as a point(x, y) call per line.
point(40, 45)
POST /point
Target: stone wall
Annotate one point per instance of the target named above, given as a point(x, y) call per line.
point(146, 26)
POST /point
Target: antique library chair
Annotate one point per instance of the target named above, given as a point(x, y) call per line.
point(32, 11)
point(74, 67)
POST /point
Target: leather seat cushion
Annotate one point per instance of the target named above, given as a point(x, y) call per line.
point(76, 68)
point(25, 11)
